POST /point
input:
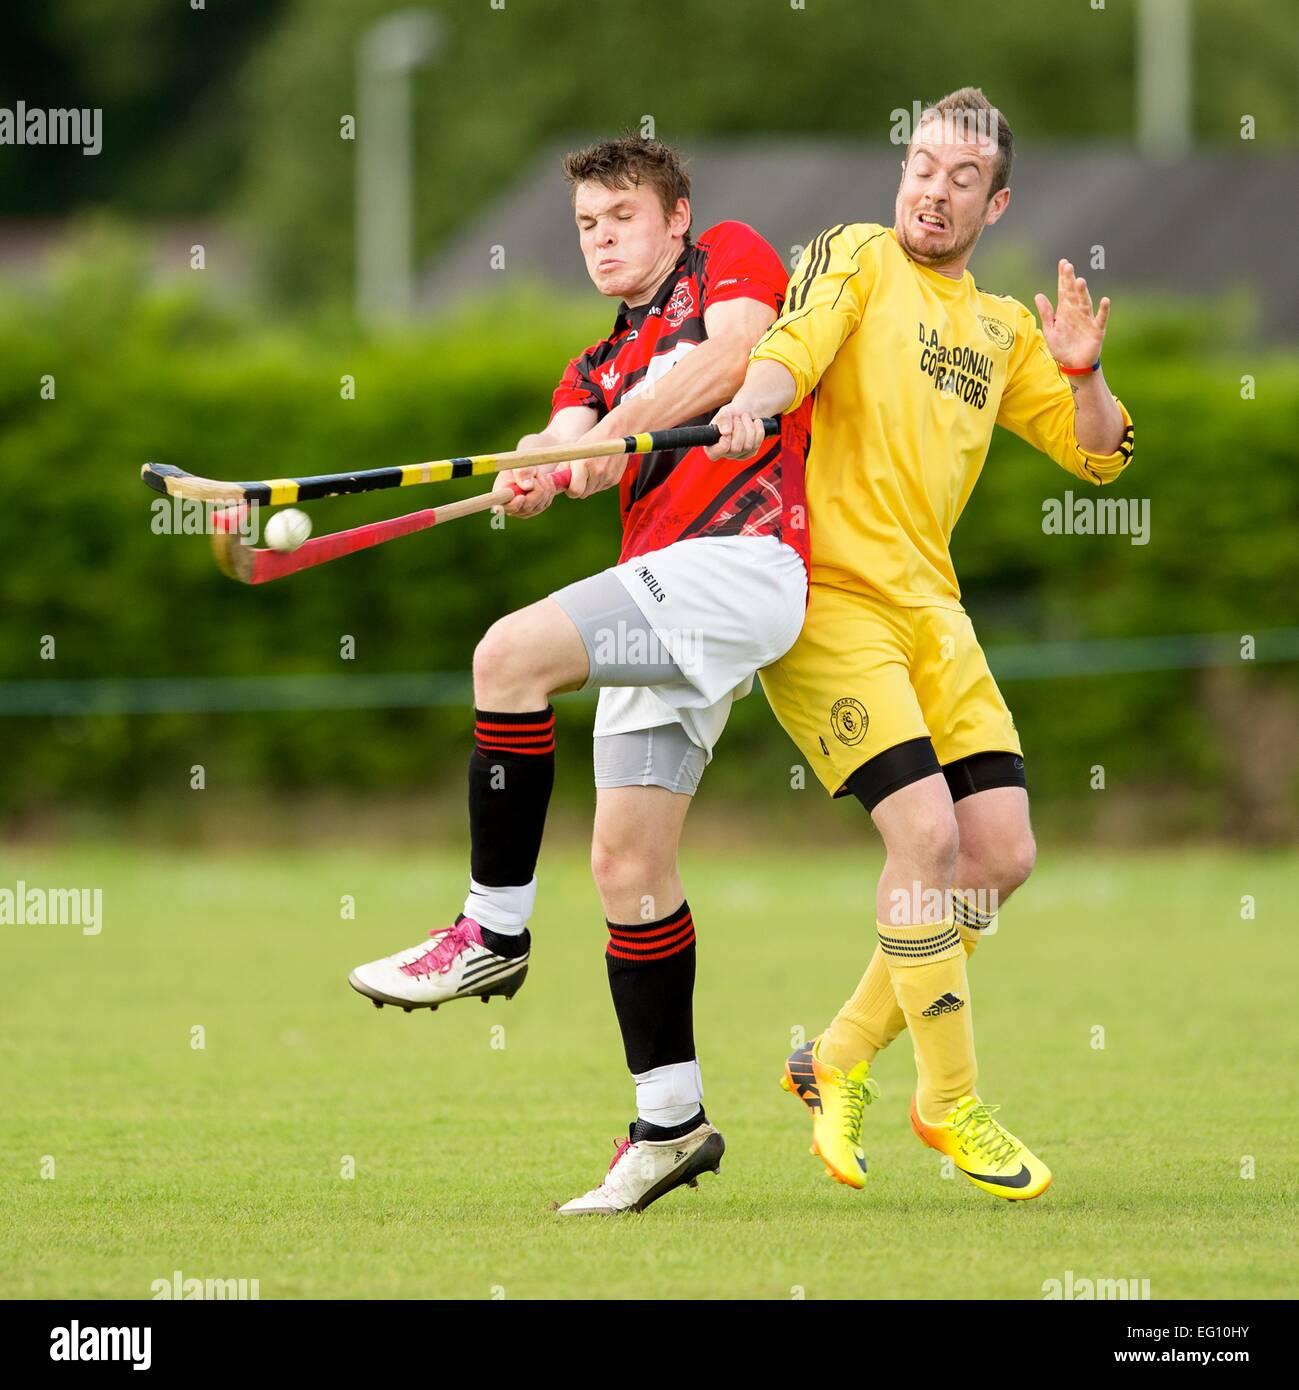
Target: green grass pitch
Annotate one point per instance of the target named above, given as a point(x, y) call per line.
point(227, 1161)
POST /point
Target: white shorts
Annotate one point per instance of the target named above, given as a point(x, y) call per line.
point(722, 607)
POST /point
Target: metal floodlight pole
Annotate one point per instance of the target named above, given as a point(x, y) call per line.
point(386, 54)
point(1164, 78)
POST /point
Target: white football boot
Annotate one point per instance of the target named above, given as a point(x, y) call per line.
point(644, 1171)
point(455, 966)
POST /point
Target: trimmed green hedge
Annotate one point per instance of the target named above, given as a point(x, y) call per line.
point(142, 374)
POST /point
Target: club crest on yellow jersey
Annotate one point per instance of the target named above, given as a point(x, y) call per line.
point(1002, 334)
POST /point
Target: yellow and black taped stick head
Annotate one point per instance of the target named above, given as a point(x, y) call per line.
point(176, 482)
point(274, 492)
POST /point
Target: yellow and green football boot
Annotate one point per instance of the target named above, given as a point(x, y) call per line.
point(986, 1152)
point(836, 1099)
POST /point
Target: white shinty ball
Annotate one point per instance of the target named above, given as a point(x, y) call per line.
point(288, 529)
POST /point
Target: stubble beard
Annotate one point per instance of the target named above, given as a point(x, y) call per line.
point(959, 251)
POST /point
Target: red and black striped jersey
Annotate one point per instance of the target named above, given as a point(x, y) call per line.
point(676, 494)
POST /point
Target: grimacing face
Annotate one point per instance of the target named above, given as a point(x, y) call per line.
point(943, 202)
point(627, 241)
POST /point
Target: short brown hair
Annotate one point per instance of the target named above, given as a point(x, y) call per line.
point(628, 162)
point(969, 104)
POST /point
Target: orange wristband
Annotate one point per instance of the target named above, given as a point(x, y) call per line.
point(1081, 371)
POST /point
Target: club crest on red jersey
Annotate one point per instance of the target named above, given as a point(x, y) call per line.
point(680, 306)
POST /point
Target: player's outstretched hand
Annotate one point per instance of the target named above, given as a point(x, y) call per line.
point(1072, 332)
point(741, 434)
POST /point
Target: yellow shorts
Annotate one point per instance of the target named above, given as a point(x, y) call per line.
point(866, 675)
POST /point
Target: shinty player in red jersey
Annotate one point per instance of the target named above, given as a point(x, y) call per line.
point(711, 585)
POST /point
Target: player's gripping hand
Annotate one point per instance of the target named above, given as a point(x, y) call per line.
point(538, 490)
point(741, 434)
point(596, 475)
point(1072, 332)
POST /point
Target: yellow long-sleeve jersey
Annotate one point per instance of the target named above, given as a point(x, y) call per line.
point(911, 369)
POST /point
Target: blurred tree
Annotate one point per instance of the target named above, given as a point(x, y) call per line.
point(511, 78)
point(175, 137)
point(239, 103)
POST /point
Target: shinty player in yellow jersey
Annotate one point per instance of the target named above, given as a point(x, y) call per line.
point(887, 692)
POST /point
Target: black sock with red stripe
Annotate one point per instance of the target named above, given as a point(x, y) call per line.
point(511, 773)
point(652, 980)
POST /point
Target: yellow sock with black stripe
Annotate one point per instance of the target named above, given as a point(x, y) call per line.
point(970, 921)
point(870, 1019)
point(926, 964)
